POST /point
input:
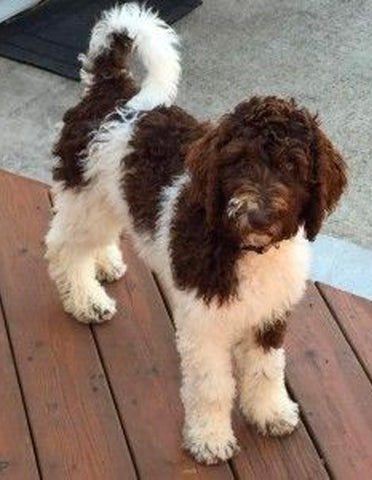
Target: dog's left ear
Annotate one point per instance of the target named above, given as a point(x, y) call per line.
point(327, 183)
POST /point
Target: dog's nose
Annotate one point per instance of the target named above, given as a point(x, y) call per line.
point(258, 219)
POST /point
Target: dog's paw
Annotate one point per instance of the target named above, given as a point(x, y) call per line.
point(99, 312)
point(95, 307)
point(110, 271)
point(280, 421)
point(212, 448)
point(109, 264)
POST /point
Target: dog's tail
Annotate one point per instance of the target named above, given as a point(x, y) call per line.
point(134, 27)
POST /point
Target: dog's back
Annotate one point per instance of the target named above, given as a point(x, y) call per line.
point(159, 142)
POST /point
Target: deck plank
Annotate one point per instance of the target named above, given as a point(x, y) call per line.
point(141, 361)
point(354, 315)
point(332, 388)
point(76, 429)
point(17, 457)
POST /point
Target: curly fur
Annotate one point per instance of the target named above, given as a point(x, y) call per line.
point(218, 211)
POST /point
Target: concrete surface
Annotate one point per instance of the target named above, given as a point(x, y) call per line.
point(343, 265)
point(9, 8)
point(319, 51)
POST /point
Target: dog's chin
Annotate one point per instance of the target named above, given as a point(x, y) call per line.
point(260, 242)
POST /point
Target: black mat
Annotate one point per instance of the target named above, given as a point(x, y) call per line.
point(51, 35)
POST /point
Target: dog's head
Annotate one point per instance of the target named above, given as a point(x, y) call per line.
point(265, 170)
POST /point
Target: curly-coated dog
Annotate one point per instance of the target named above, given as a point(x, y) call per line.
point(222, 212)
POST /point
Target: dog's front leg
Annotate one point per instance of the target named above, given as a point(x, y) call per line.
point(207, 393)
point(263, 394)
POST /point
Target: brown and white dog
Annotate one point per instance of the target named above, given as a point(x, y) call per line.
point(219, 211)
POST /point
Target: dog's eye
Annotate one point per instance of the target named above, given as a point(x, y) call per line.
point(290, 166)
point(296, 165)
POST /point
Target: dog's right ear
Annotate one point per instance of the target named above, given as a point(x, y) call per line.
point(203, 163)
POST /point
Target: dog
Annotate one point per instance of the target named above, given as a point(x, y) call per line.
point(222, 212)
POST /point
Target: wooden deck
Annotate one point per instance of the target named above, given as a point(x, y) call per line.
point(87, 403)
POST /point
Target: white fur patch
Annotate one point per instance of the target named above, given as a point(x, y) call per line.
point(156, 44)
point(263, 395)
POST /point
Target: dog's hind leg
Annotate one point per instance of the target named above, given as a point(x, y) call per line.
point(81, 244)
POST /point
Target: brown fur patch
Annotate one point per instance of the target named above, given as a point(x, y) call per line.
point(159, 143)
point(203, 258)
point(271, 335)
point(111, 85)
point(328, 182)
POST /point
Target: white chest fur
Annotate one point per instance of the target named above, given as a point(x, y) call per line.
point(269, 285)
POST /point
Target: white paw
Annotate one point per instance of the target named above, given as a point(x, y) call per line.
point(110, 272)
point(94, 307)
point(109, 264)
point(211, 448)
point(277, 421)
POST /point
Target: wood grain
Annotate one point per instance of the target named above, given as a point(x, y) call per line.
point(354, 315)
point(77, 432)
point(17, 458)
point(287, 458)
point(333, 390)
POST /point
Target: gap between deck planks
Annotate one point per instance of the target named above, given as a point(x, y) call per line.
point(17, 458)
point(354, 316)
point(141, 365)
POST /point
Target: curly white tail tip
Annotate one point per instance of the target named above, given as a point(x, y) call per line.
point(156, 44)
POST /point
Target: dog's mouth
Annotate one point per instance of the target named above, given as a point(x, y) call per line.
point(259, 243)
point(258, 250)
